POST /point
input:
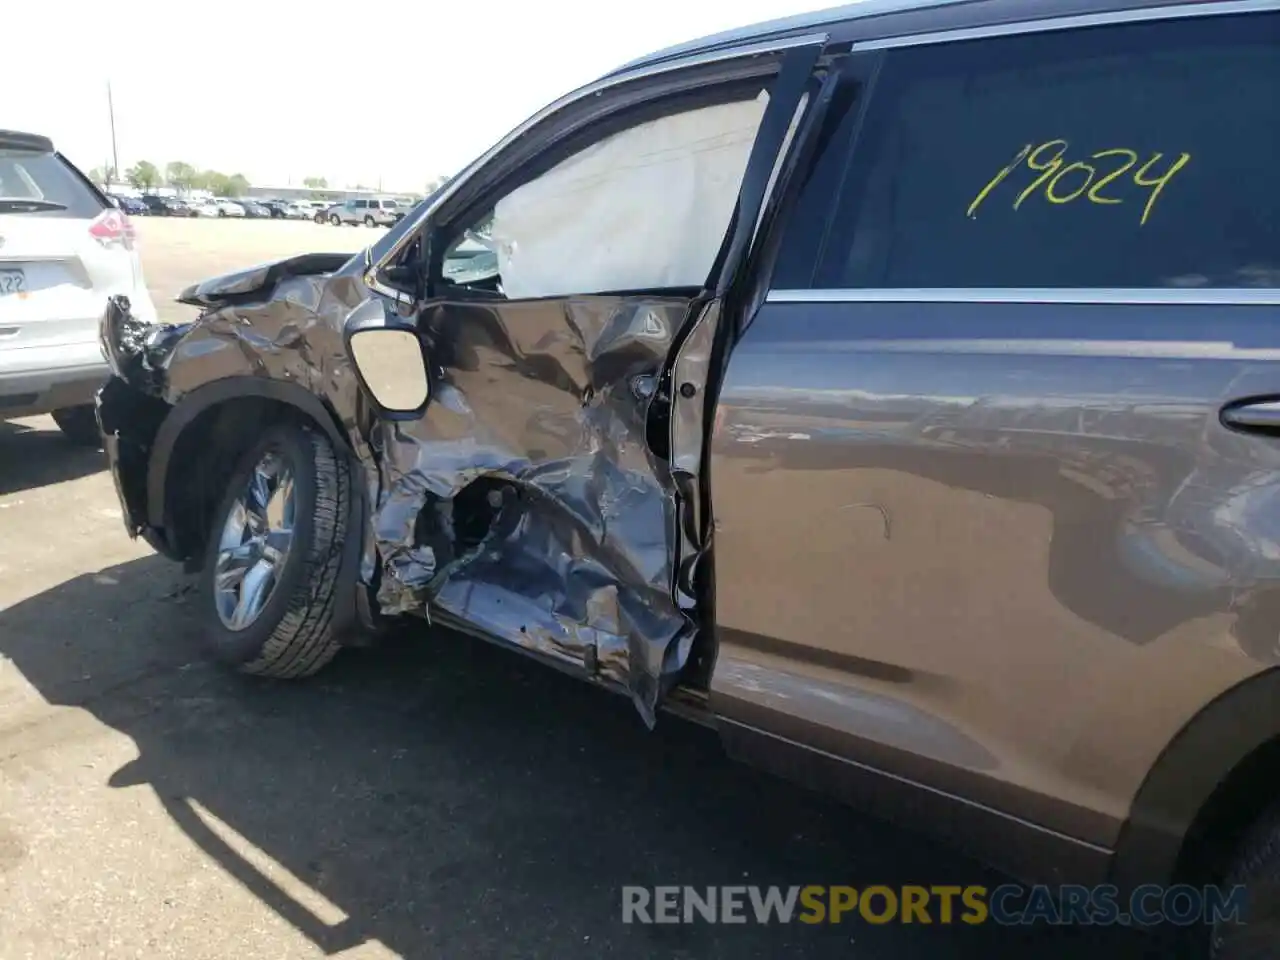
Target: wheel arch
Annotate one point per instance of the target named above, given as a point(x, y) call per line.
point(1205, 782)
point(195, 407)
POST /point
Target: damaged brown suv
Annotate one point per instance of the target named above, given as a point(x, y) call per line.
point(896, 388)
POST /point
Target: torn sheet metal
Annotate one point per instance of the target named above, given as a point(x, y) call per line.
point(526, 502)
point(281, 322)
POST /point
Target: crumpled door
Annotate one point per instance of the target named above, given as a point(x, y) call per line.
point(534, 503)
point(527, 503)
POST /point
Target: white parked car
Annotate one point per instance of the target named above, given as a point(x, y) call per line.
point(64, 249)
point(203, 207)
point(372, 212)
point(228, 207)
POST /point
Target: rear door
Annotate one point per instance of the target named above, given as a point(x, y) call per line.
point(63, 251)
point(540, 499)
point(996, 510)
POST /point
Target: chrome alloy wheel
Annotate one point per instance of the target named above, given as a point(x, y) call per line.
point(254, 544)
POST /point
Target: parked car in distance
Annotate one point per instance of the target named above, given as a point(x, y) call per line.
point(254, 208)
point(203, 207)
point(133, 206)
point(64, 250)
point(321, 210)
point(894, 388)
point(227, 207)
point(161, 206)
point(285, 210)
point(372, 212)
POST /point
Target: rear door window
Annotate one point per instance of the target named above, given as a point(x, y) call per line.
point(1143, 155)
point(43, 184)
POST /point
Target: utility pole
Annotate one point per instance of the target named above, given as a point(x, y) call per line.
point(115, 157)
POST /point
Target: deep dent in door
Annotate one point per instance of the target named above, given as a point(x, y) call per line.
point(526, 502)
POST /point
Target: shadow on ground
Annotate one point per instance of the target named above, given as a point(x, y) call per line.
point(453, 799)
point(31, 458)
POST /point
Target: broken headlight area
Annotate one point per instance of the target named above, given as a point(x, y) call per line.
point(136, 350)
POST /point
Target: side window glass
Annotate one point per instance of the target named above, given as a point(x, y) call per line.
point(645, 208)
point(1126, 156)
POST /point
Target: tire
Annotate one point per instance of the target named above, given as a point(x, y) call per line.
point(1256, 866)
point(368, 221)
point(292, 634)
point(79, 425)
point(335, 220)
point(221, 212)
point(319, 217)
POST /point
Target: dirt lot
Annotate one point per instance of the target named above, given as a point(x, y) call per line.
point(434, 798)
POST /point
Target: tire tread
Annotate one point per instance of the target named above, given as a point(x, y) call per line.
point(304, 641)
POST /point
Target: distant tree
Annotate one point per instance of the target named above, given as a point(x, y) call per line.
point(180, 175)
point(315, 183)
point(143, 175)
point(237, 185)
point(206, 180)
point(217, 182)
point(435, 183)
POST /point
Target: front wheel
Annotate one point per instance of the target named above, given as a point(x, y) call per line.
point(271, 569)
point(368, 221)
point(335, 220)
point(222, 213)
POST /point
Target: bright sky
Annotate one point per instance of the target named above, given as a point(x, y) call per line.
point(399, 92)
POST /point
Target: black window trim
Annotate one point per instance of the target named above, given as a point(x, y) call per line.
point(1221, 296)
point(1174, 11)
point(1217, 296)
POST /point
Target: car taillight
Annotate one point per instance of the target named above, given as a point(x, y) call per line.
point(113, 229)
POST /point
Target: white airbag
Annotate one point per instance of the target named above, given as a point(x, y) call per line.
point(645, 208)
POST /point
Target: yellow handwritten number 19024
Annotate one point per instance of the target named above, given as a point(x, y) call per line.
point(1064, 182)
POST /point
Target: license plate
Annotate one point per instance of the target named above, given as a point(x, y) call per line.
point(12, 281)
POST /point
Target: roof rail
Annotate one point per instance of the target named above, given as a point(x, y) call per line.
point(16, 140)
